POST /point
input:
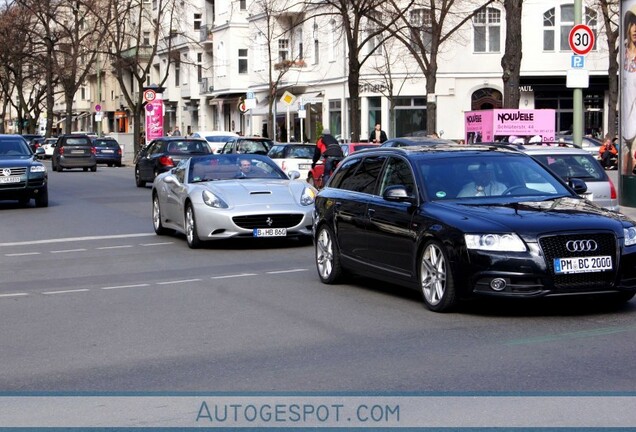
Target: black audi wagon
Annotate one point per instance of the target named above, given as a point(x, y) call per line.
point(455, 221)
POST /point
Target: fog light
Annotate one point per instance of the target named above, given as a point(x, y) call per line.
point(498, 284)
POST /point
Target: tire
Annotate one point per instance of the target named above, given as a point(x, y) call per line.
point(156, 217)
point(327, 256)
point(191, 228)
point(85, 169)
point(436, 278)
point(94, 168)
point(42, 200)
point(138, 181)
point(118, 164)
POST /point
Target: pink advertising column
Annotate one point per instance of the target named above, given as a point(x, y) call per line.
point(154, 114)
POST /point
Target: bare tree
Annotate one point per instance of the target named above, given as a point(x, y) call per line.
point(611, 20)
point(511, 60)
point(424, 31)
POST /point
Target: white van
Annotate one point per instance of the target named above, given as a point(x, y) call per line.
point(216, 139)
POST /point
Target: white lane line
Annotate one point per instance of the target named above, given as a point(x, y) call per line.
point(66, 291)
point(68, 250)
point(286, 271)
point(14, 295)
point(234, 276)
point(74, 239)
point(156, 244)
point(125, 286)
point(22, 254)
point(178, 281)
point(115, 247)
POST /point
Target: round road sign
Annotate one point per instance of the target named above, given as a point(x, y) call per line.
point(581, 39)
point(242, 107)
point(149, 95)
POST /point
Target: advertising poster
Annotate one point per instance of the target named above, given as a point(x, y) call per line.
point(628, 87)
point(502, 124)
point(154, 119)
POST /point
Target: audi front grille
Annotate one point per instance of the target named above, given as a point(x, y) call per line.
point(557, 247)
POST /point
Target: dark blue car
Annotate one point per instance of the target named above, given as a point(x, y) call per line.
point(107, 151)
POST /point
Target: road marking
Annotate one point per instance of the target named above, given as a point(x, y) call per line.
point(234, 276)
point(573, 335)
point(178, 281)
point(156, 244)
point(66, 291)
point(125, 286)
point(286, 271)
point(74, 239)
point(68, 250)
point(22, 254)
point(114, 247)
point(14, 295)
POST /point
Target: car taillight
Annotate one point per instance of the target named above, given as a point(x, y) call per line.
point(166, 161)
point(613, 194)
point(61, 150)
point(93, 150)
point(119, 152)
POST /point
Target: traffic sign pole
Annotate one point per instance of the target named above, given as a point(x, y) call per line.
point(577, 96)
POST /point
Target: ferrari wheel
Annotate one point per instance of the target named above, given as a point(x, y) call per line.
point(191, 228)
point(156, 217)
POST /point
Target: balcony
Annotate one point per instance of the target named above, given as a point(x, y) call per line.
point(140, 52)
point(205, 35)
point(206, 85)
point(289, 64)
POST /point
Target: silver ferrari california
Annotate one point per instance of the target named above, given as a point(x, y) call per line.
point(220, 196)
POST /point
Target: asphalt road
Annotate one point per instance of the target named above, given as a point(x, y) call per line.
point(92, 300)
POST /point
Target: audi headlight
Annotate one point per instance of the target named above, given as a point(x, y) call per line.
point(38, 168)
point(308, 196)
point(495, 242)
point(630, 236)
point(212, 200)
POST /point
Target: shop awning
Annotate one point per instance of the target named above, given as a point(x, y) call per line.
point(62, 120)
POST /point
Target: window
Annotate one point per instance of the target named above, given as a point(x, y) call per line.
point(563, 19)
point(243, 4)
point(146, 41)
point(332, 41)
point(398, 173)
point(487, 30)
point(199, 67)
point(365, 177)
point(242, 61)
point(283, 50)
point(422, 24)
point(177, 71)
point(197, 21)
point(82, 93)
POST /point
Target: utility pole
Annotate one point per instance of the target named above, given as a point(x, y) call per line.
point(577, 99)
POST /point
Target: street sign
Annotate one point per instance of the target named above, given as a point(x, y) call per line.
point(98, 116)
point(578, 62)
point(98, 108)
point(249, 95)
point(581, 39)
point(242, 107)
point(288, 98)
point(149, 95)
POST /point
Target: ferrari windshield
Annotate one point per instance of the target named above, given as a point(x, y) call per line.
point(233, 166)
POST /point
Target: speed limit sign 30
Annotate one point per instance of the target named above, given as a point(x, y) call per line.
point(581, 39)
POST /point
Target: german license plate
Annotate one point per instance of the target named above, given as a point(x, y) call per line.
point(9, 179)
point(77, 151)
point(270, 232)
point(304, 166)
point(582, 264)
point(108, 151)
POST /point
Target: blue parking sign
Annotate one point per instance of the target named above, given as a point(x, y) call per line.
point(578, 62)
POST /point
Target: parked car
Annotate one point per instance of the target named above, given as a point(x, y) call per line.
point(34, 140)
point(402, 215)
point(293, 157)
point(22, 177)
point(574, 162)
point(74, 151)
point(49, 146)
point(414, 141)
point(314, 177)
point(591, 145)
point(107, 151)
point(217, 139)
point(163, 154)
point(247, 145)
point(213, 197)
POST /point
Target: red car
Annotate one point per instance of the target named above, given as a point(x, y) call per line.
point(315, 174)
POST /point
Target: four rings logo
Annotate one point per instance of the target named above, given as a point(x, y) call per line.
point(581, 245)
point(6, 172)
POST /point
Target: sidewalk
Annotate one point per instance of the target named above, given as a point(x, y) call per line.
point(629, 211)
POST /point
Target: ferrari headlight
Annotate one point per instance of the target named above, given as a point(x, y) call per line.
point(495, 242)
point(308, 197)
point(212, 200)
point(630, 236)
point(38, 168)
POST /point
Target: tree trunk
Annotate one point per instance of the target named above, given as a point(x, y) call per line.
point(511, 60)
point(354, 102)
point(431, 103)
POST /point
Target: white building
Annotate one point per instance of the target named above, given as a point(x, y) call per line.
point(222, 56)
